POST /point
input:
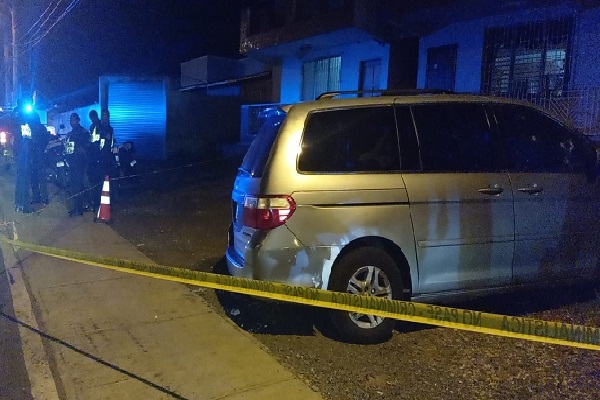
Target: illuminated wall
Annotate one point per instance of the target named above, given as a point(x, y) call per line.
point(351, 54)
point(138, 112)
point(469, 36)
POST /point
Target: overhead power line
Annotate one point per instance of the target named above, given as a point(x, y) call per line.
point(46, 19)
point(36, 22)
point(44, 24)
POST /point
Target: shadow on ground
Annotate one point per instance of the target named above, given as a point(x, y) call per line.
point(278, 318)
point(526, 301)
point(265, 316)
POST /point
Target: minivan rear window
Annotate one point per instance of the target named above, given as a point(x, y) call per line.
point(360, 139)
point(256, 157)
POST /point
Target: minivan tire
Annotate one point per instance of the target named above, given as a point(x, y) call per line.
point(356, 264)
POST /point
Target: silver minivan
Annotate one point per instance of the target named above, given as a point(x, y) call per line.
point(411, 195)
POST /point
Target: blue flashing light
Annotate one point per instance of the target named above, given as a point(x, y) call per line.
point(28, 108)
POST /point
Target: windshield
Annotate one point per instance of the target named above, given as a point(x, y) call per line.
point(258, 153)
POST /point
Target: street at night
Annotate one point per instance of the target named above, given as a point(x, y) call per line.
point(136, 337)
point(299, 199)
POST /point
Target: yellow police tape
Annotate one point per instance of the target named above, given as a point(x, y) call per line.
point(552, 332)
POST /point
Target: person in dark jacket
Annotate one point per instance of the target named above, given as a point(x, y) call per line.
point(22, 150)
point(107, 133)
point(94, 175)
point(78, 141)
point(40, 137)
point(106, 159)
point(95, 127)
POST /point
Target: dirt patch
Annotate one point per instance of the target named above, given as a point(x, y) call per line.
point(180, 218)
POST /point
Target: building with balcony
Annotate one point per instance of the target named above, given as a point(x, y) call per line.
point(329, 45)
point(542, 51)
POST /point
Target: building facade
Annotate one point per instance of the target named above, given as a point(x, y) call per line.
point(547, 55)
point(542, 51)
point(319, 46)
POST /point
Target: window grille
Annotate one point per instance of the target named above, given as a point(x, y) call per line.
point(320, 76)
point(527, 61)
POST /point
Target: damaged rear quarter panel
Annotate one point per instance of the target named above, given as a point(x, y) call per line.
point(326, 221)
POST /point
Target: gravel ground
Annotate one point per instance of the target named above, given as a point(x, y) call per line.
point(180, 218)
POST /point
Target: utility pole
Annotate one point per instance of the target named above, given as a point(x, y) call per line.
point(15, 55)
point(6, 60)
point(8, 31)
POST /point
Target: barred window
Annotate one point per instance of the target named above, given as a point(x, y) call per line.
point(320, 76)
point(527, 60)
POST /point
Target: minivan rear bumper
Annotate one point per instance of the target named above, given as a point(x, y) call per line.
point(298, 266)
point(235, 264)
point(275, 266)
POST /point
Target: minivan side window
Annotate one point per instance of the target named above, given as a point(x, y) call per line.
point(534, 142)
point(455, 138)
point(359, 139)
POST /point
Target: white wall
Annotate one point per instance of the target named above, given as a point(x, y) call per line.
point(469, 37)
point(586, 65)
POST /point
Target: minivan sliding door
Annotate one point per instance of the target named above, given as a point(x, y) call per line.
point(556, 209)
point(461, 207)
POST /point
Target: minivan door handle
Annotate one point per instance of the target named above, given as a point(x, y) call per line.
point(491, 191)
point(532, 190)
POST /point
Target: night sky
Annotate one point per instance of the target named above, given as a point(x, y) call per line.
point(104, 37)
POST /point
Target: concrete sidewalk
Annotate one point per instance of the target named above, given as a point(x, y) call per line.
point(113, 335)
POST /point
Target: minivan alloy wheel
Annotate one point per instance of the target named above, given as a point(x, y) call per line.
point(369, 281)
point(365, 271)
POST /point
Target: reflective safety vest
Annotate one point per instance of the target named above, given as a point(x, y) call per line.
point(69, 147)
point(95, 136)
point(102, 142)
point(26, 131)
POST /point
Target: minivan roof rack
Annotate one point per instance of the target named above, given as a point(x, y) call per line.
point(384, 92)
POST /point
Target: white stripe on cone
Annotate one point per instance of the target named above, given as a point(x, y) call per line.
point(104, 209)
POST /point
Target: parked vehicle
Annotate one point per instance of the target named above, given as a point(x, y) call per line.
point(57, 164)
point(408, 196)
point(6, 138)
point(125, 159)
point(125, 169)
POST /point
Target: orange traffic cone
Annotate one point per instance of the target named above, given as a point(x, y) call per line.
point(104, 210)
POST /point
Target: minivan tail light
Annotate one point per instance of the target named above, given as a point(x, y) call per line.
point(267, 212)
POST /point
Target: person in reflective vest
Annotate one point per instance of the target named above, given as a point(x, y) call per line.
point(106, 159)
point(94, 127)
point(40, 137)
point(94, 175)
point(76, 148)
point(107, 133)
point(22, 150)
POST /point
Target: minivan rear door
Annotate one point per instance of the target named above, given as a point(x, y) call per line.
point(461, 205)
point(557, 211)
point(248, 179)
